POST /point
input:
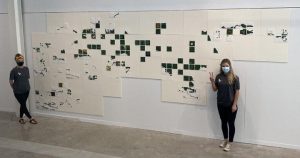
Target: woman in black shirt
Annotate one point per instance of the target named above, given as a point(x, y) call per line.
point(227, 84)
point(19, 82)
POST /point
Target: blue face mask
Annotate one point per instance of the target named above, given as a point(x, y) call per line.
point(225, 69)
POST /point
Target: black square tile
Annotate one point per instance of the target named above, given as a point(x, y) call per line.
point(157, 31)
point(89, 46)
point(192, 61)
point(180, 60)
point(157, 25)
point(147, 42)
point(158, 48)
point(103, 52)
point(112, 42)
point(169, 49)
point(174, 66)
point(185, 66)
point(192, 43)
point(192, 49)
point(148, 54)
point(180, 72)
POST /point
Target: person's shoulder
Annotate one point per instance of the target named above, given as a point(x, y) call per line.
point(13, 69)
point(218, 75)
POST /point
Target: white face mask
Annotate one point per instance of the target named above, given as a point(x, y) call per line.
point(225, 69)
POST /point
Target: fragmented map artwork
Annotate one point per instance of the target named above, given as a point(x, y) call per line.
point(84, 56)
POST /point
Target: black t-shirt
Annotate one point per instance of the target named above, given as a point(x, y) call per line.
point(20, 76)
point(226, 91)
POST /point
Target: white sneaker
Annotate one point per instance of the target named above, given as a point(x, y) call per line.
point(227, 147)
point(223, 144)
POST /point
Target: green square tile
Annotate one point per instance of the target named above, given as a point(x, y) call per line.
point(163, 25)
point(192, 49)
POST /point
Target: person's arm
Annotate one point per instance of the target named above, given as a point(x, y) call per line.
point(236, 97)
point(212, 80)
point(11, 82)
point(237, 93)
point(11, 78)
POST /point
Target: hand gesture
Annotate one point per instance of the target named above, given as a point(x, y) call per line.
point(211, 77)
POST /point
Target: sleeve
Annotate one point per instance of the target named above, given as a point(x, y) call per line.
point(12, 76)
point(237, 83)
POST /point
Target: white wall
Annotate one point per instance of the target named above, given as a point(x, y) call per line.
point(269, 111)
point(7, 101)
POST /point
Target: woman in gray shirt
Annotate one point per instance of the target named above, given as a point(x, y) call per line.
point(19, 81)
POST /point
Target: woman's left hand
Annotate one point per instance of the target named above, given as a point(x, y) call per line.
point(234, 108)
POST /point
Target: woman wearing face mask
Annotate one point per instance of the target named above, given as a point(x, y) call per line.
point(227, 84)
point(19, 81)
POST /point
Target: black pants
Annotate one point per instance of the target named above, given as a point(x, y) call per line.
point(227, 118)
point(22, 98)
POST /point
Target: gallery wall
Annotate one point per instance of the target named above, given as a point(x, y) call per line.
point(268, 106)
point(6, 59)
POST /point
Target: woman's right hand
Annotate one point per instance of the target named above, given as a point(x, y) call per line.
point(211, 77)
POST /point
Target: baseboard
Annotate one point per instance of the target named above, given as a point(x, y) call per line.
point(181, 132)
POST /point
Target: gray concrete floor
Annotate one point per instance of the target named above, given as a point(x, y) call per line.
point(64, 138)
